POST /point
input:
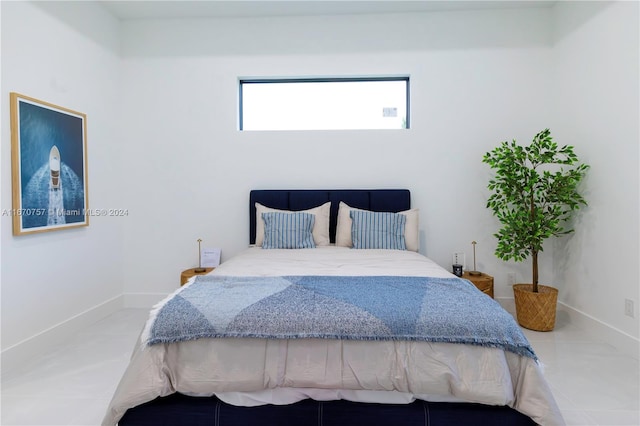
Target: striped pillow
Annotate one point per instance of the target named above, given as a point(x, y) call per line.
point(377, 230)
point(288, 230)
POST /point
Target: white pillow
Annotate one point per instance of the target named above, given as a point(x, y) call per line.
point(320, 226)
point(343, 229)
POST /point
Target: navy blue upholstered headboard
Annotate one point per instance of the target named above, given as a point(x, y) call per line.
point(380, 200)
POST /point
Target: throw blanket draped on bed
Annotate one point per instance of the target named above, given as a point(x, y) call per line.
point(449, 310)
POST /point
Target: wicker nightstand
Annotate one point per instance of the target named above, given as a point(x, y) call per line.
point(483, 282)
point(185, 275)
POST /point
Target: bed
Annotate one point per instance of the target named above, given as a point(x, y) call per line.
point(342, 354)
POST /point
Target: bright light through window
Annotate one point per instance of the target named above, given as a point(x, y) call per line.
point(323, 104)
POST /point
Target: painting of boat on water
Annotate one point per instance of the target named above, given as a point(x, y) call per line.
point(49, 166)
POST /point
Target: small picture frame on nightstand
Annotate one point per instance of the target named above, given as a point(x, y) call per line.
point(210, 257)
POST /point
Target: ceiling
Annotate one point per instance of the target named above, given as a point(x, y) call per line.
point(162, 9)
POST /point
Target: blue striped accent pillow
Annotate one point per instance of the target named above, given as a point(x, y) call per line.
point(377, 230)
point(288, 230)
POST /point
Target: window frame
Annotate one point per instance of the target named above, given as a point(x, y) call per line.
point(270, 80)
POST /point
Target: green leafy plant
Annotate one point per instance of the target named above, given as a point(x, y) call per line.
point(534, 193)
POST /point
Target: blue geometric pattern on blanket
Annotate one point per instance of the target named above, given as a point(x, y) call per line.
point(477, 326)
point(194, 321)
point(222, 302)
point(373, 296)
point(448, 310)
point(315, 315)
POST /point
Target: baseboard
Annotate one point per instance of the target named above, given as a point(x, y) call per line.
point(143, 300)
point(17, 355)
point(622, 341)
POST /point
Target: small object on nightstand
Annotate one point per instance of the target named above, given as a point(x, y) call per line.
point(188, 273)
point(457, 270)
point(474, 272)
point(483, 282)
point(199, 269)
point(457, 264)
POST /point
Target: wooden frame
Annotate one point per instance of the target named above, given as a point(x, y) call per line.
point(48, 166)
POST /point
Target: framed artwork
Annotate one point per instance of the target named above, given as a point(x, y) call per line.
point(48, 166)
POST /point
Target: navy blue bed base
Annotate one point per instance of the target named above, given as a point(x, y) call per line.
point(180, 410)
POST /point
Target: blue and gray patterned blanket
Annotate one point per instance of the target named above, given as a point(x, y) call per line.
point(448, 310)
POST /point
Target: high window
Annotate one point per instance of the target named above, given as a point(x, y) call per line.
point(324, 103)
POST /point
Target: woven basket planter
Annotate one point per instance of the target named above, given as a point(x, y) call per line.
point(536, 311)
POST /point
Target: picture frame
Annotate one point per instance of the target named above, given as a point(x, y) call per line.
point(48, 166)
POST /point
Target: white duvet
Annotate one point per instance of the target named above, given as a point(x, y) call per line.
point(251, 372)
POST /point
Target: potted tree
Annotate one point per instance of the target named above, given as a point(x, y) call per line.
point(534, 193)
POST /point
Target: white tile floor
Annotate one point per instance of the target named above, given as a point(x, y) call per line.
point(593, 383)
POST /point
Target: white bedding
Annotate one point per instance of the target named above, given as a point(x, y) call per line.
point(250, 372)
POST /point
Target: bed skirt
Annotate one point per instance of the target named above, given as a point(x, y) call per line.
point(181, 410)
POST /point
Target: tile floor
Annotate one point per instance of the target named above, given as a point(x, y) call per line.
point(593, 383)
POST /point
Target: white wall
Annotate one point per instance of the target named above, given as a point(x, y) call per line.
point(67, 56)
point(477, 78)
point(596, 98)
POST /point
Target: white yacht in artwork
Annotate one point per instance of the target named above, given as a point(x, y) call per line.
point(54, 166)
